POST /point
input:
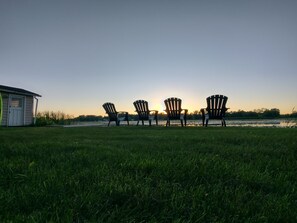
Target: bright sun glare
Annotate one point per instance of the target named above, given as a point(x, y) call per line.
point(159, 107)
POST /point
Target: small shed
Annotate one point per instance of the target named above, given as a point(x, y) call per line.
point(18, 107)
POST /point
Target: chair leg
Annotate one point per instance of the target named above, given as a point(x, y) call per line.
point(167, 123)
point(127, 118)
point(203, 117)
point(224, 122)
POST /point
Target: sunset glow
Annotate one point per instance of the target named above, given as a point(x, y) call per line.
point(160, 108)
point(82, 54)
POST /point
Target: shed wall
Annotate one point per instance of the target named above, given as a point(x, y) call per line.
point(5, 108)
point(28, 109)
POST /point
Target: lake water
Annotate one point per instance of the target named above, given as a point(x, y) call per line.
point(281, 123)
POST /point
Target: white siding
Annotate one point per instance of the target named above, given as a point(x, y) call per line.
point(28, 102)
point(5, 108)
point(29, 110)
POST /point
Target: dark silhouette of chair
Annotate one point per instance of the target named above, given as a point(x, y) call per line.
point(144, 114)
point(216, 109)
point(113, 115)
point(175, 112)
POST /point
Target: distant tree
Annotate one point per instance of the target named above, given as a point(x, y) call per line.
point(242, 114)
point(53, 118)
point(196, 114)
point(88, 118)
point(272, 113)
point(294, 114)
point(255, 114)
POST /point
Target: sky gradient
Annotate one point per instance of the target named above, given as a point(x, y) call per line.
point(79, 54)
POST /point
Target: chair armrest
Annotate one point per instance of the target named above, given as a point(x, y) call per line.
point(154, 111)
point(185, 110)
point(122, 112)
point(225, 109)
point(203, 110)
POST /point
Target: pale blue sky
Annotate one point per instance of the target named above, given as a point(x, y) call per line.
point(79, 54)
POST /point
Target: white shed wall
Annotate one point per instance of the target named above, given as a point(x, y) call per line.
point(28, 109)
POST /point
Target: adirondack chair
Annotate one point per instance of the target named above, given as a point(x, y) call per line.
point(175, 112)
point(114, 115)
point(144, 114)
point(216, 109)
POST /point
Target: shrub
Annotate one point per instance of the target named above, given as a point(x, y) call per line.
point(53, 118)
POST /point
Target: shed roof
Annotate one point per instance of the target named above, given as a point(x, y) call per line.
point(17, 91)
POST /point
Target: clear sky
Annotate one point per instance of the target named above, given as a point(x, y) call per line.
point(79, 54)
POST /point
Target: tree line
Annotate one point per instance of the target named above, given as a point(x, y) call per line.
point(263, 113)
point(60, 118)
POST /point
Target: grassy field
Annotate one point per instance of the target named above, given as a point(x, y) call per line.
point(148, 174)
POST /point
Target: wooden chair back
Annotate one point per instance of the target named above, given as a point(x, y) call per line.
point(142, 109)
point(216, 106)
point(173, 107)
point(110, 110)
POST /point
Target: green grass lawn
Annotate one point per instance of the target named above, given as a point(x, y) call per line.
point(148, 174)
